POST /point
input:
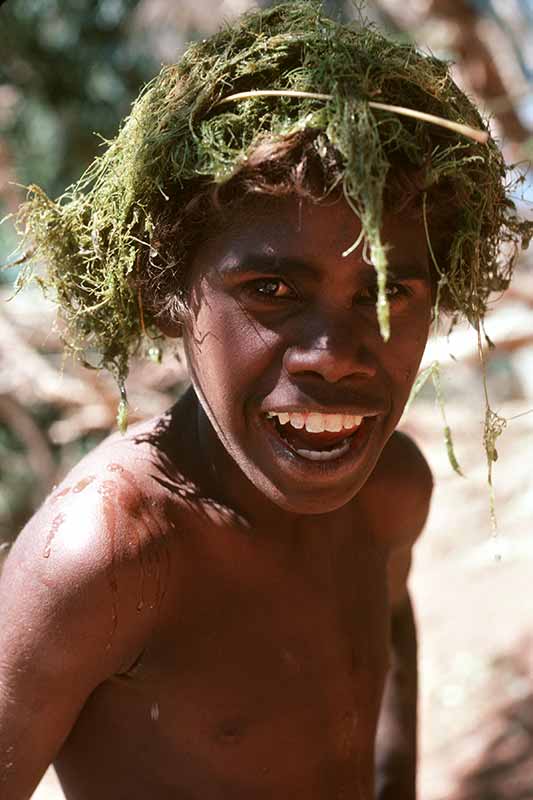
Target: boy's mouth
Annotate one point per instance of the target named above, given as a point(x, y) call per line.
point(315, 436)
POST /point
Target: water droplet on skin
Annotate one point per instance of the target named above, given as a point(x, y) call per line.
point(140, 605)
point(154, 712)
point(106, 489)
point(83, 484)
point(114, 592)
point(56, 524)
point(61, 494)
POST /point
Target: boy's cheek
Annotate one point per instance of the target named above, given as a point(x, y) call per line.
point(222, 332)
point(404, 363)
point(409, 375)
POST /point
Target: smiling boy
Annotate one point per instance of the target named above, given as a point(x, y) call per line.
point(214, 605)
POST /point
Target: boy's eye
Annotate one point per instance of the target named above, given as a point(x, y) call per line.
point(393, 291)
point(273, 288)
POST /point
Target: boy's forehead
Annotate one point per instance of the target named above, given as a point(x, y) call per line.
point(299, 235)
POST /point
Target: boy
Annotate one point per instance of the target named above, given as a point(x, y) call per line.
point(214, 605)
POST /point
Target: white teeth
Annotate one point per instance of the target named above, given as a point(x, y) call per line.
point(351, 421)
point(334, 423)
point(325, 455)
point(297, 421)
point(315, 422)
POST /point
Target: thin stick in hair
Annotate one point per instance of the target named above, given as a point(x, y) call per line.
point(465, 130)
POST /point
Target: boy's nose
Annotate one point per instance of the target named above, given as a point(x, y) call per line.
point(334, 354)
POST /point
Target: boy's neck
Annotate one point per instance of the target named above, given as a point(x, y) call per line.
point(198, 448)
point(226, 482)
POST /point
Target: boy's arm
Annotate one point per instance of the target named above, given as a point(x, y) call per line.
point(396, 742)
point(57, 637)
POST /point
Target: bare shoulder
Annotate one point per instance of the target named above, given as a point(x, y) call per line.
point(95, 504)
point(80, 595)
point(398, 492)
point(94, 555)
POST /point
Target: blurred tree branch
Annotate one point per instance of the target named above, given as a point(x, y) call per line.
point(479, 46)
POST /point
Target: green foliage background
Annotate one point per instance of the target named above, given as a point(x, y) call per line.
point(75, 65)
point(69, 68)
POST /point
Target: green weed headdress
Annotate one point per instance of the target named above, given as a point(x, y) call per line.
point(185, 125)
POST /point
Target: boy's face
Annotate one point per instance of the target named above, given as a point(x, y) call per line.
point(283, 333)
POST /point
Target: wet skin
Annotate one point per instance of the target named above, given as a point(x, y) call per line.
point(198, 612)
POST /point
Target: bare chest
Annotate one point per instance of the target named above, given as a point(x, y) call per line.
point(264, 676)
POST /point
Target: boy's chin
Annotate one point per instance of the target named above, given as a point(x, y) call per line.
point(313, 481)
point(313, 504)
point(303, 500)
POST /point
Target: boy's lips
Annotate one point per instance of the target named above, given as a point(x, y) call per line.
point(334, 440)
point(316, 436)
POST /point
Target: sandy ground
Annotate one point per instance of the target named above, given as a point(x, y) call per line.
point(474, 602)
point(475, 616)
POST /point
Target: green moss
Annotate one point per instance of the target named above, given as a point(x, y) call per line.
point(90, 238)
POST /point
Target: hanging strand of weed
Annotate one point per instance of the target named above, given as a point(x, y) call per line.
point(448, 440)
point(433, 372)
point(493, 427)
point(421, 380)
point(122, 410)
point(443, 280)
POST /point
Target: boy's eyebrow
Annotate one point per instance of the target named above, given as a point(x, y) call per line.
point(406, 270)
point(265, 263)
point(270, 264)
